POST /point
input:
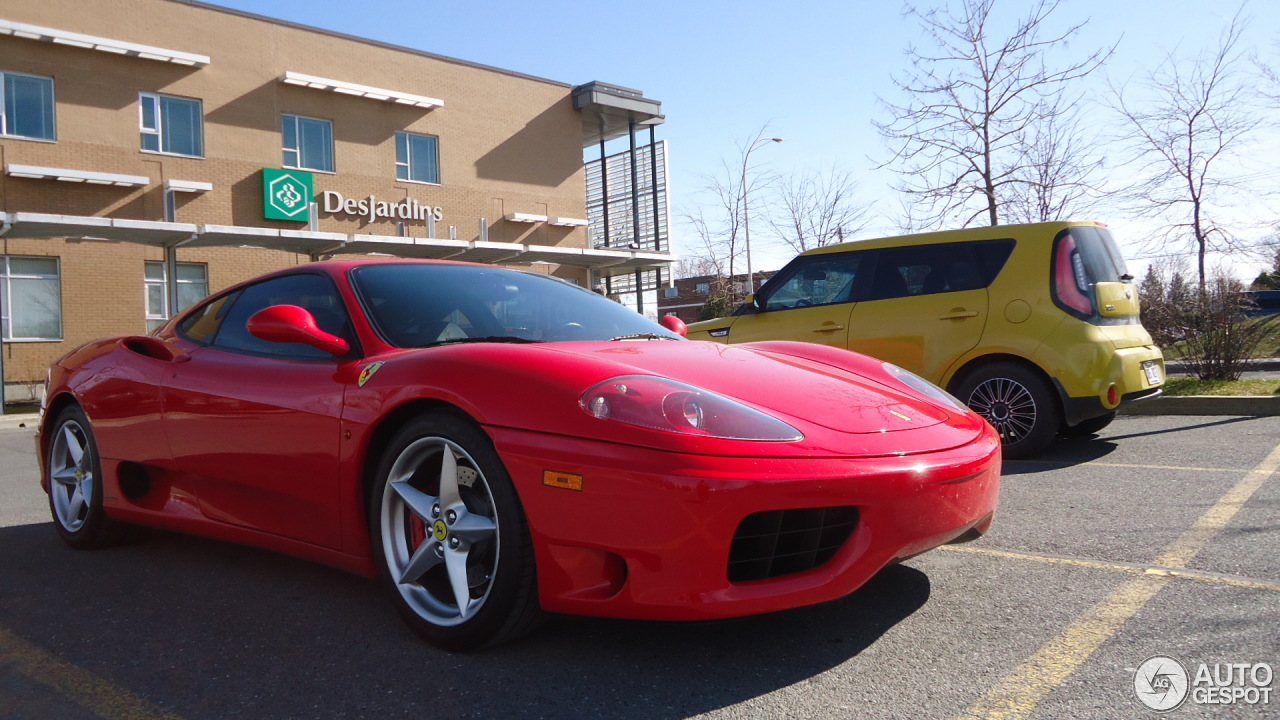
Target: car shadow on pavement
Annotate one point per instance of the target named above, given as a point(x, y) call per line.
point(210, 630)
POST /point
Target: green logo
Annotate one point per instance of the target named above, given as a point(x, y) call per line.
point(286, 195)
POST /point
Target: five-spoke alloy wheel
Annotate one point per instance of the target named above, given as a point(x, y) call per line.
point(450, 536)
point(75, 483)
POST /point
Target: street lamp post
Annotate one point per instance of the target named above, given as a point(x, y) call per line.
point(746, 210)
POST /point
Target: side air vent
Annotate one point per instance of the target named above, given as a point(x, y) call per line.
point(782, 542)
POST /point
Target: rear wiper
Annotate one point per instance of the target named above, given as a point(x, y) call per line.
point(484, 339)
point(642, 336)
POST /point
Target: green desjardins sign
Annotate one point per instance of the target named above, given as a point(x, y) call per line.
point(287, 195)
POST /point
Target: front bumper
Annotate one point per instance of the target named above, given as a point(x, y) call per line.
point(649, 535)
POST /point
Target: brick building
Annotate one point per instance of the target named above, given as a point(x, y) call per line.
point(154, 151)
point(686, 296)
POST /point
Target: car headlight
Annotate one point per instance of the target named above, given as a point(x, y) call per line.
point(670, 406)
point(924, 387)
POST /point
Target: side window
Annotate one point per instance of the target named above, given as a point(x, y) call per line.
point(932, 269)
point(813, 280)
point(193, 284)
point(171, 124)
point(308, 143)
point(202, 324)
point(26, 106)
point(417, 157)
point(316, 293)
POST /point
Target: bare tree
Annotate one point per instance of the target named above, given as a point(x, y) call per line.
point(1057, 165)
point(1187, 136)
point(974, 101)
point(811, 209)
point(720, 223)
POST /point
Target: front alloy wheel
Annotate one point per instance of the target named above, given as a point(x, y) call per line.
point(1018, 404)
point(451, 536)
point(75, 483)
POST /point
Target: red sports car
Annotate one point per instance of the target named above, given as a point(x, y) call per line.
point(495, 444)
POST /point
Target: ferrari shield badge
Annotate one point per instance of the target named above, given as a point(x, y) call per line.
point(367, 372)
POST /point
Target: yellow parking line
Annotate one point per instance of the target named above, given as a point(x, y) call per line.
point(1018, 694)
point(76, 684)
point(1212, 578)
point(1132, 466)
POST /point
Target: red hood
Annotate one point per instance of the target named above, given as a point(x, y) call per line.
point(831, 397)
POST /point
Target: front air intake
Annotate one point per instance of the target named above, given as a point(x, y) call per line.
point(783, 542)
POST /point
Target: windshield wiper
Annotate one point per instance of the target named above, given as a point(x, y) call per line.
point(643, 336)
point(485, 339)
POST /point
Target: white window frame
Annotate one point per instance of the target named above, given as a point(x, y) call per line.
point(6, 302)
point(5, 111)
point(154, 100)
point(297, 148)
point(407, 165)
point(159, 316)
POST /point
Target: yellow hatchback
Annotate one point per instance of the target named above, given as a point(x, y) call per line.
point(1035, 327)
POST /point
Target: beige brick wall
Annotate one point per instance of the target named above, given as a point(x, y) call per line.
point(508, 143)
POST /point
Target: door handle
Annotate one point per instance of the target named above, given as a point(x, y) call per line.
point(828, 327)
point(957, 314)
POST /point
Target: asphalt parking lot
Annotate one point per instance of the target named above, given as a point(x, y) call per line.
point(1158, 537)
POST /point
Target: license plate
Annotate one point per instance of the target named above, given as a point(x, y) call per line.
point(1152, 369)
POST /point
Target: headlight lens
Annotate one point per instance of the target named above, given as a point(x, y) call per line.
point(924, 387)
point(670, 406)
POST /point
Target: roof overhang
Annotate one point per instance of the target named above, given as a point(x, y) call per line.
point(605, 262)
point(101, 44)
point(365, 91)
point(608, 111)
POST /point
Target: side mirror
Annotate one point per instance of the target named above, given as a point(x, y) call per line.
point(293, 324)
point(674, 324)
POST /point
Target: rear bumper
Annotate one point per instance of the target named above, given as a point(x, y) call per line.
point(650, 533)
point(1124, 371)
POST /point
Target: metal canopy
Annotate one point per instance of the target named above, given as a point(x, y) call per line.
point(608, 111)
point(605, 262)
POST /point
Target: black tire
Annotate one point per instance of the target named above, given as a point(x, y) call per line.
point(1018, 403)
point(433, 542)
point(1091, 426)
point(74, 474)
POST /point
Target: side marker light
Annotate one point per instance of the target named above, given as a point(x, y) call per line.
point(562, 480)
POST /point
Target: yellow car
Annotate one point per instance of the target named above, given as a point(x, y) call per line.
point(1035, 326)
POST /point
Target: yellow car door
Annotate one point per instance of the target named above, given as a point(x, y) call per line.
point(808, 301)
point(924, 307)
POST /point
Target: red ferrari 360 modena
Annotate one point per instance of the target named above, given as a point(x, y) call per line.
point(494, 444)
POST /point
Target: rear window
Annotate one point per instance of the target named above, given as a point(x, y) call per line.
point(1082, 258)
point(1101, 255)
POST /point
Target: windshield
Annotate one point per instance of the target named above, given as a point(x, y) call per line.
point(423, 304)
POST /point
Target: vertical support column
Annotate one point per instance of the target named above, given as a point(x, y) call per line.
point(171, 256)
point(635, 212)
point(653, 179)
point(604, 207)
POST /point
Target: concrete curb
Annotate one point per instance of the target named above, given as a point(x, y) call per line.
point(18, 420)
point(1257, 405)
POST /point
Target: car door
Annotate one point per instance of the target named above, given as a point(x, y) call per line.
point(924, 307)
point(258, 423)
point(806, 301)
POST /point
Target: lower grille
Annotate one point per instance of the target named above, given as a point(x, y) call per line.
point(782, 542)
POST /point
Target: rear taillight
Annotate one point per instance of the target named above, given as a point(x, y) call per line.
point(1070, 280)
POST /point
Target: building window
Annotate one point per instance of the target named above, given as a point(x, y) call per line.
point(26, 106)
point(308, 143)
point(171, 124)
point(702, 288)
point(31, 295)
point(417, 157)
point(193, 284)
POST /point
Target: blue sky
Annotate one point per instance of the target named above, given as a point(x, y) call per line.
point(810, 71)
